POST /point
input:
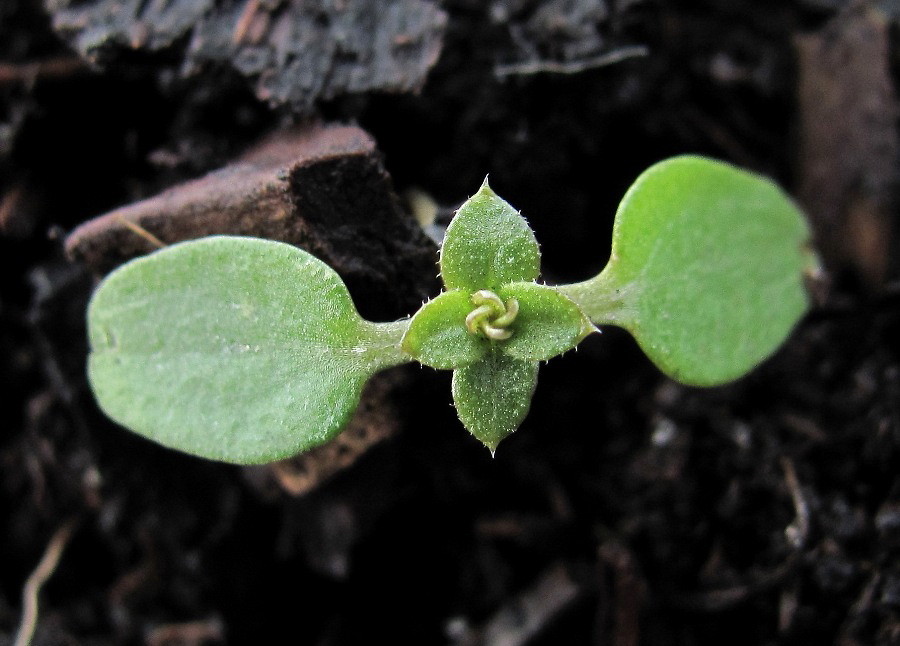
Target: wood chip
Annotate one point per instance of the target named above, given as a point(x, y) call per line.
point(848, 139)
point(322, 188)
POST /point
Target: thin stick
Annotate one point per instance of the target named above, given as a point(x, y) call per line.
point(141, 231)
point(571, 67)
point(38, 578)
point(244, 21)
point(28, 73)
point(798, 531)
point(8, 204)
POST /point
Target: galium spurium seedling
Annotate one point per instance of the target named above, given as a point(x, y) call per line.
point(247, 350)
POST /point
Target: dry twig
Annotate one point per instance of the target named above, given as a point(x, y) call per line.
point(797, 531)
point(28, 73)
point(571, 67)
point(39, 576)
point(141, 231)
point(190, 633)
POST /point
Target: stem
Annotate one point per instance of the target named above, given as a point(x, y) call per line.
point(602, 298)
point(384, 343)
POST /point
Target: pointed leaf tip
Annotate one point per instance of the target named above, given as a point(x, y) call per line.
point(487, 245)
point(492, 396)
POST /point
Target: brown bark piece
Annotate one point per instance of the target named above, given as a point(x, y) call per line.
point(97, 29)
point(848, 139)
point(322, 188)
point(294, 52)
point(310, 50)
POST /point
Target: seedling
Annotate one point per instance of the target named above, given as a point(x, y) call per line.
point(247, 350)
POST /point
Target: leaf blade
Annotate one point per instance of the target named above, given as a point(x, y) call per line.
point(492, 396)
point(487, 245)
point(233, 349)
point(546, 325)
point(707, 269)
point(437, 335)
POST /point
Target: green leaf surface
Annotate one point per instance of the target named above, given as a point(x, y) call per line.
point(437, 335)
point(546, 325)
point(233, 349)
point(487, 245)
point(492, 396)
point(707, 269)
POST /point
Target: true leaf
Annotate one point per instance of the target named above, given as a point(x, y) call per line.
point(707, 269)
point(546, 325)
point(437, 335)
point(492, 396)
point(487, 245)
point(234, 349)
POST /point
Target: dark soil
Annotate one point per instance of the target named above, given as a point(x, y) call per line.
point(627, 509)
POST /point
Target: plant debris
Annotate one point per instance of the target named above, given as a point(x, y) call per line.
point(294, 53)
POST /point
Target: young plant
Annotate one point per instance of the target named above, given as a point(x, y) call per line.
point(247, 350)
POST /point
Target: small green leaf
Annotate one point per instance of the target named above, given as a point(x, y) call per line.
point(233, 349)
point(707, 269)
point(437, 334)
point(487, 245)
point(492, 396)
point(547, 323)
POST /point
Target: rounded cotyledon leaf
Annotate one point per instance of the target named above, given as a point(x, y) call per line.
point(487, 245)
point(234, 349)
point(707, 269)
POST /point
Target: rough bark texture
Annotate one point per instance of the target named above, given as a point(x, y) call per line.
point(294, 52)
point(322, 188)
point(849, 146)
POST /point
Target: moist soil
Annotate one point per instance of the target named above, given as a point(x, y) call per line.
point(627, 509)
